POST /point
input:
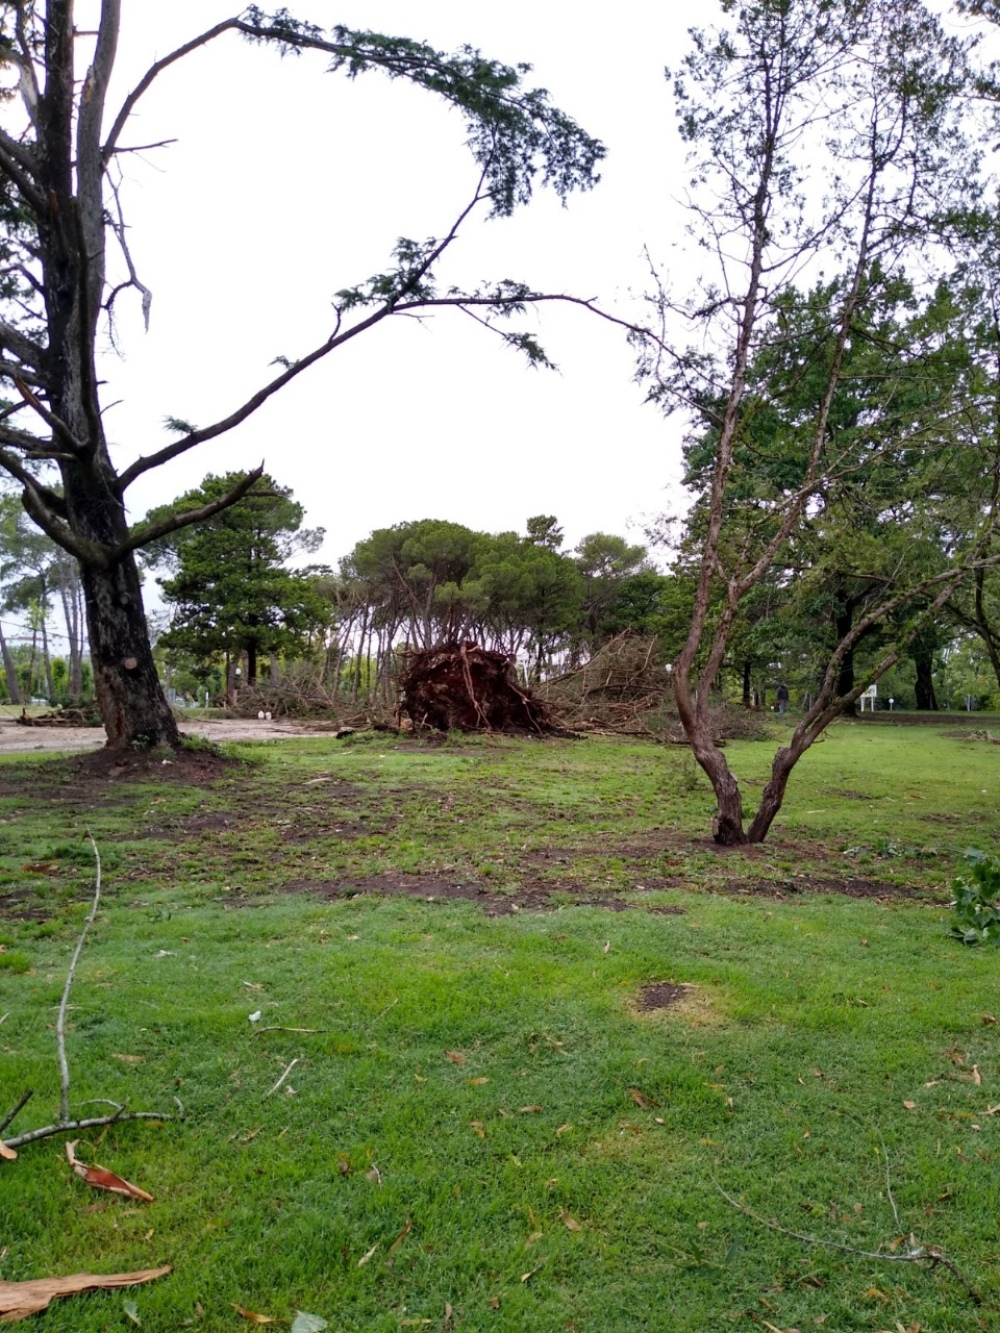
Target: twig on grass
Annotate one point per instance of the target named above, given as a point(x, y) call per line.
point(383, 1012)
point(916, 1254)
point(19, 1107)
point(64, 1123)
point(288, 1070)
point(257, 1031)
point(71, 973)
point(888, 1181)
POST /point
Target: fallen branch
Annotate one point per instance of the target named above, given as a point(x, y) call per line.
point(287, 1071)
point(64, 1124)
point(19, 1107)
point(257, 1031)
point(916, 1254)
point(71, 973)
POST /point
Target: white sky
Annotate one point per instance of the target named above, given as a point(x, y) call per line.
point(288, 183)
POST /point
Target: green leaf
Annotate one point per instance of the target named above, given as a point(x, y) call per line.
point(132, 1310)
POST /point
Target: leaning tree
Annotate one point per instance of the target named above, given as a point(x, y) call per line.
point(826, 142)
point(58, 215)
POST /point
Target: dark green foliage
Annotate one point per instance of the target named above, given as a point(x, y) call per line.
point(977, 914)
point(231, 590)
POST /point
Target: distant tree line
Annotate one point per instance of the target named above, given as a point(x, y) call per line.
point(241, 611)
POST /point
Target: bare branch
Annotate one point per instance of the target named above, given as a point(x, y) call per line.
point(36, 503)
point(111, 142)
point(118, 227)
point(21, 346)
point(55, 423)
point(188, 517)
point(64, 1123)
point(916, 1254)
point(71, 973)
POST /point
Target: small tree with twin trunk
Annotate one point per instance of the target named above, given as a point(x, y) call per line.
point(824, 136)
point(56, 220)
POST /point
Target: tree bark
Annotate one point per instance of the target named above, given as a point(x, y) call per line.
point(10, 671)
point(923, 660)
point(843, 621)
point(133, 706)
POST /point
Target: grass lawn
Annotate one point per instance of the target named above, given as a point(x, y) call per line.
point(487, 1125)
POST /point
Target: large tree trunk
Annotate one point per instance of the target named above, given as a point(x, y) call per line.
point(10, 671)
point(133, 706)
point(845, 679)
point(926, 699)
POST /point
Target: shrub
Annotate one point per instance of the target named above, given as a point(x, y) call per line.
point(977, 916)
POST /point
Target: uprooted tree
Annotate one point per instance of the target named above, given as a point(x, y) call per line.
point(59, 208)
point(825, 141)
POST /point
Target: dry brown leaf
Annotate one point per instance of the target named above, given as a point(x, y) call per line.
point(527, 1110)
point(563, 1129)
point(640, 1099)
point(41, 868)
point(254, 1318)
point(130, 1059)
point(977, 1078)
point(478, 1082)
point(910, 1106)
point(401, 1237)
point(102, 1179)
point(456, 1057)
point(533, 1239)
point(374, 1175)
point(8, 1154)
point(18, 1300)
point(494, 1302)
point(570, 1223)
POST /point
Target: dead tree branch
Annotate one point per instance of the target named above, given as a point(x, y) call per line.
point(915, 1254)
point(64, 1124)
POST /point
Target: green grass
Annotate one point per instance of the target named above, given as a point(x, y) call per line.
point(812, 1020)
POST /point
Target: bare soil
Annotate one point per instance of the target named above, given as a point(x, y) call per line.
point(546, 878)
point(661, 995)
point(15, 738)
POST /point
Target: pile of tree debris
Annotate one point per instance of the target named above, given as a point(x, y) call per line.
point(462, 687)
point(82, 715)
point(624, 688)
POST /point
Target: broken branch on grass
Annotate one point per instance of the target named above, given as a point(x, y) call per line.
point(71, 973)
point(288, 1070)
point(916, 1254)
point(8, 1119)
point(257, 1031)
point(64, 1123)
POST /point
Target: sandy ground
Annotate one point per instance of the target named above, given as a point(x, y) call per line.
point(15, 738)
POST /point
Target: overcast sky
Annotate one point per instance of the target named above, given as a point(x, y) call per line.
point(288, 183)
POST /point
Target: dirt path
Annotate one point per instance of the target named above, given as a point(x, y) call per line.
point(16, 739)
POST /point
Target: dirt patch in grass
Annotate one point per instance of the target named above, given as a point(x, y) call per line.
point(848, 795)
point(661, 995)
point(849, 887)
point(194, 768)
point(532, 897)
point(22, 905)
